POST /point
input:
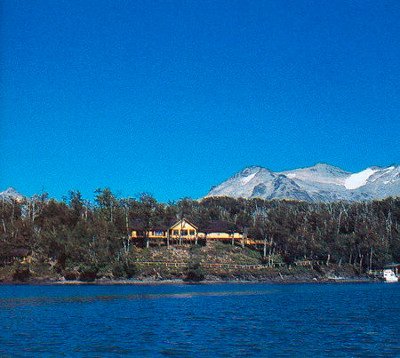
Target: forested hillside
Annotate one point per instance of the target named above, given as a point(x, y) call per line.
point(75, 234)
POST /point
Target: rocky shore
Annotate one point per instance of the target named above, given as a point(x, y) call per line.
point(215, 263)
point(267, 275)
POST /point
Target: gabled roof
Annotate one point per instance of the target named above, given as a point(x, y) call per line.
point(184, 219)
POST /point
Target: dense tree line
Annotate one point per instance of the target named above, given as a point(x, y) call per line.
point(78, 232)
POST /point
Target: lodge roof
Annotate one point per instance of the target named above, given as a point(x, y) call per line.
point(218, 226)
point(139, 225)
point(208, 227)
point(188, 221)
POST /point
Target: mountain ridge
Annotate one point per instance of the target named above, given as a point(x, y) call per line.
point(321, 182)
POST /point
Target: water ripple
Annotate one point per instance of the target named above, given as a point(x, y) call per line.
point(184, 321)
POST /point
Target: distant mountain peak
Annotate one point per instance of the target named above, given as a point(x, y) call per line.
point(252, 169)
point(320, 182)
point(10, 190)
point(323, 167)
point(11, 194)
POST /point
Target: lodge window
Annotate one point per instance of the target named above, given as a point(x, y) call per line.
point(191, 232)
point(184, 232)
point(158, 233)
point(176, 232)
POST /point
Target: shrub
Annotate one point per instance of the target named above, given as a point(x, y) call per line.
point(71, 275)
point(88, 273)
point(21, 273)
point(118, 270)
point(126, 269)
point(195, 273)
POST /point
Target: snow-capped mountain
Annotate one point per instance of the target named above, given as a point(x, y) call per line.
point(321, 182)
point(11, 194)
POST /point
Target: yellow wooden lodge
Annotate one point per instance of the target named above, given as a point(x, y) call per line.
point(183, 231)
point(180, 229)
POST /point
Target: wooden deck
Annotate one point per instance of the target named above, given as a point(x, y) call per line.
point(162, 240)
point(210, 265)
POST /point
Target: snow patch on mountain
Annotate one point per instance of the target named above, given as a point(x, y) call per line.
point(245, 180)
point(358, 180)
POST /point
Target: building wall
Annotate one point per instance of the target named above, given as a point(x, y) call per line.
point(223, 235)
point(183, 229)
point(153, 234)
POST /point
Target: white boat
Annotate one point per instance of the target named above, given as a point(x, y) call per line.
point(390, 276)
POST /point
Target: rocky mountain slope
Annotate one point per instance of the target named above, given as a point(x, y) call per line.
point(319, 183)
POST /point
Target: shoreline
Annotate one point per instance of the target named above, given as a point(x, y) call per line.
point(136, 282)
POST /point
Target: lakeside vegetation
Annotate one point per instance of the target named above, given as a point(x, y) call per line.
point(76, 239)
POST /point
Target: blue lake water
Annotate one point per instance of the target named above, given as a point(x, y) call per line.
point(201, 320)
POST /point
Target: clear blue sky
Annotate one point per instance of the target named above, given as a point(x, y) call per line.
point(172, 97)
